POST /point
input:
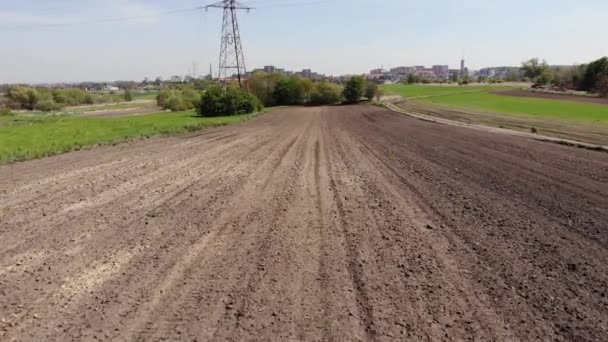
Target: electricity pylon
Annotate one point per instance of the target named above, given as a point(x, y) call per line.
point(232, 59)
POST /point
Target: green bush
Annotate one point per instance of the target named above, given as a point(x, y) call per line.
point(292, 91)
point(232, 101)
point(128, 96)
point(192, 97)
point(70, 96)
point(5, 111)
point(593, 73)
point(22, 98)
point(88, 99)
point(47, 105)
point(602, 86)
point(279, 89)
point(325, 93)
point(263, 85)
point(371, 90)
point(106, 98)
point(354, 89)
point(179, 98)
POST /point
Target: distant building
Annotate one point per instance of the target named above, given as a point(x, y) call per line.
point(403, 70)
point(306, 73)
point(441, 71)
point(426, 73)
point(462, 67)
point(176, 79)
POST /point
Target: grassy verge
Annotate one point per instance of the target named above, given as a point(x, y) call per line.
point(26, 137)
point(108, 107)
point(521, 106)
point(416, 90)
point(480, 99)
point(148, 95)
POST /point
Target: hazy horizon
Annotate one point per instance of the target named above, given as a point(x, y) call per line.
point(109, 40)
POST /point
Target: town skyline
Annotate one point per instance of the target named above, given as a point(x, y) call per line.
point(132, 39)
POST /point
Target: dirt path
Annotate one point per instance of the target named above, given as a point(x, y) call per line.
point(341, 223)
point(592, 133)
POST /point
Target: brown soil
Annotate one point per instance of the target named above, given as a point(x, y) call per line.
point(580, 131)
point(554, 96)
point(337, 223)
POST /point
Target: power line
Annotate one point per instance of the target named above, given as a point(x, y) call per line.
point(273, 4)
point(231, 48)
point(102, 21)
point(262, 4)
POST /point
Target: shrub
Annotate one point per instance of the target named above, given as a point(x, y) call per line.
point(192, 97)
point(106, 98)
point(212, 103)
point(22, 97)
point(411, 79)
point(602, 86)
point(88, 99)
point(232, 101)
point(278, 89)
point(292, 91)
point(176, 103)
point(593, 73)
point(5, 111)
point(371, 90)
point(47, 105)
point(179, 98)
point(354, 89)
point(325, 93)
point(128, 95)
point(70, 96)
point(263, 85)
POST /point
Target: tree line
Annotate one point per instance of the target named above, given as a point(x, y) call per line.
point(592, 77)
point(275, 89)
point(47, 99)
point(263, 90)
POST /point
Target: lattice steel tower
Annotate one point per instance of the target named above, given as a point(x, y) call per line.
point(232, 59)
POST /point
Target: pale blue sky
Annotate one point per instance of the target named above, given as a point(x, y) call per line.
point(331, 36)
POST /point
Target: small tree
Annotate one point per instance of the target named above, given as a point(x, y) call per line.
point(232, 101)
point(379, 95)
point(23, 97)
point(545, 77)
point(411, 79)
point(325, 93)
point(602, 86)
point(354, 89)
point(371, 90)
point(537, 71)
point(593, 73)
point(212, 102)
point(128, 95)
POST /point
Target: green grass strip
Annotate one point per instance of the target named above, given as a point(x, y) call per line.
point(23, 138)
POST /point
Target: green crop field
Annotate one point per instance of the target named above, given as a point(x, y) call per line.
point(148, 95)
point(546, 108)
point(412, 91)
point(482, 100)
point(28, 137)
